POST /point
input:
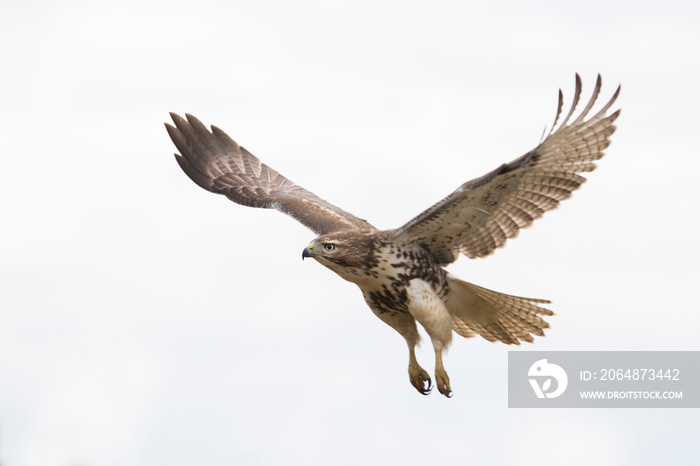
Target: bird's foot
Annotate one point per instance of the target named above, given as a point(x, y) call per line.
point(420, 379)
point(443, 383)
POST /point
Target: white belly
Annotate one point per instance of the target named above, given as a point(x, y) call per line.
point(430, 311)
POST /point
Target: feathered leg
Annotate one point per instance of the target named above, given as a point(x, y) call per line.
point(428, 309)
point(405, 324)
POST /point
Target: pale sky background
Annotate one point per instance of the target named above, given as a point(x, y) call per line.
point(144, 321)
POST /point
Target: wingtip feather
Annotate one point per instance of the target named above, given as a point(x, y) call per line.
point(177, 119)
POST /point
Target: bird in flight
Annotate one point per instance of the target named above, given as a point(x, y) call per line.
point(400, 272)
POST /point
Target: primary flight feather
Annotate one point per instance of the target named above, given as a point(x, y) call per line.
point(400, 272)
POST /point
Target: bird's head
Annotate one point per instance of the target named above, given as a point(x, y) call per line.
point(345, 253)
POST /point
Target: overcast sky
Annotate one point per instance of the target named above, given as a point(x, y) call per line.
point(145, 321)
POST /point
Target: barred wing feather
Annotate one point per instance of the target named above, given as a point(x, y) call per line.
point(482, 214)
point(218, 164)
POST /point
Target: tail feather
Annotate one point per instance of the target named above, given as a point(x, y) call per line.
point(493, 315)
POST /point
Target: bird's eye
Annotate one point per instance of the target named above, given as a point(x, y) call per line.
point(329, 247)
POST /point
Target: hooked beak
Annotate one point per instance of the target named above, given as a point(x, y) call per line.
point(307, 252)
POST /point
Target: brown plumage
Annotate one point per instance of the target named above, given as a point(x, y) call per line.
point(400, 271)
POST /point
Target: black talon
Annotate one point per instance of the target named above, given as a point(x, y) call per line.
point(444, 391)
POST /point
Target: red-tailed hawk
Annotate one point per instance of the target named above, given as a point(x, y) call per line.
point(400, 272)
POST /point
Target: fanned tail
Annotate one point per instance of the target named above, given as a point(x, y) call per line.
point(493, 315)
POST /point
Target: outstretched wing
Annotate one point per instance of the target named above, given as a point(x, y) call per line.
point(483, 213)
point(218, 164)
